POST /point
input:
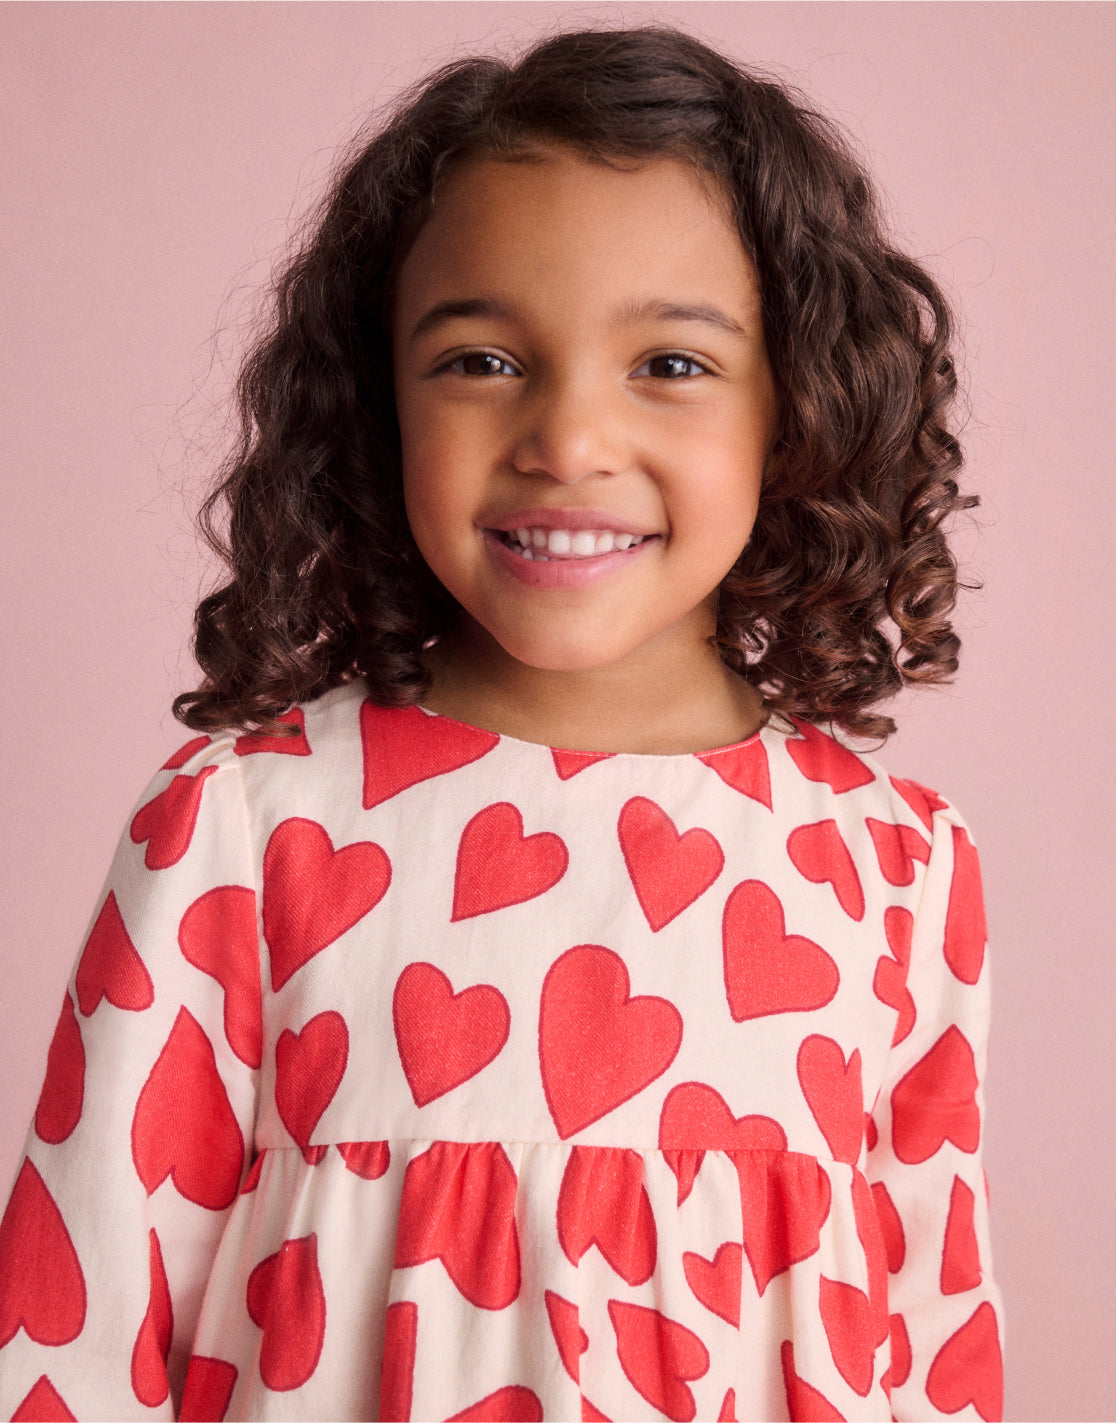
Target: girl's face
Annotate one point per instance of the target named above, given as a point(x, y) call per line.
point(585, 403)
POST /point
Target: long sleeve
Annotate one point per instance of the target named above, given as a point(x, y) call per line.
point(925, 1167)
point(143, 1131)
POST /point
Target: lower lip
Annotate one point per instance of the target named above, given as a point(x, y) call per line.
point(562, 572)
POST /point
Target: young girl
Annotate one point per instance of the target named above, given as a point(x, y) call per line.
point(512, 1003)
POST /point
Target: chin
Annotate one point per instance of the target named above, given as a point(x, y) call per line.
point(575, 655)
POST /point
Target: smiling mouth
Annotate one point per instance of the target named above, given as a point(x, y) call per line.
point(544, 545)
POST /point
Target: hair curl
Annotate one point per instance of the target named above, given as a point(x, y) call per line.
point(844, 591)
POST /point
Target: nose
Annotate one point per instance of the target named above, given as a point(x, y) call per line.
point(569, 429)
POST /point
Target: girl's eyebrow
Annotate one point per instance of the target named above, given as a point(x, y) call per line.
point(650, 310)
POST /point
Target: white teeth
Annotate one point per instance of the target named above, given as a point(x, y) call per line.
point(583, 542)
point(625, 540)
point(524, 537)
point(538, 538)
point(603, 543)
point(558, 541)
point(543, 544)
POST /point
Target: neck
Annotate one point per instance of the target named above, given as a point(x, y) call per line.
point(659, 700)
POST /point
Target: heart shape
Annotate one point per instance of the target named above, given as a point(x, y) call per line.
point(178, 758)
point(110, 967)
point(803, 1399)
point(819, 853)
point(60, 1101)
point(891, 1227)
point(218, 935)
point(444, 1038)
point(849, 1327)
point(899, 1370)
point(659, 1357)
point(498, 865)
point(397, 1372)
point(960, 1252)
point(936, 1101)
point(745, 768)
point(969, 1368)
point(696, 1118)
point(823, 759)
point(511, 1404)
point(571, 1339)
point(668, 871)
point(965, 928)
point(309, 1067)
point(716, 1282)
point(405, 745)
point(921, 799)
point(784, 1201)
point(43, 1401)
point(297, 745)
point(367, 1159)
point(207, 1391)
point(458, 1206)
point(870, 1233)
point(833, 1092)
point(312, 893)
point(149, 1354)
point(889, 983)
point(167, 821)
point(767, 970)
point(897, 849)
point(44, 1288)
point(569, 763)
point(184, 1126)
point(286, 1300)
point(603, 1202)
point(598, 1047)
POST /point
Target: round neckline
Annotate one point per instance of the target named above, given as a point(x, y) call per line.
point(757, 735)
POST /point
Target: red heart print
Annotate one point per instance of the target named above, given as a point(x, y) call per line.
point(936, 1101)
point(696, 1118)
point(891, 1226)
point(965, 929)
point(659, 1356)
point(110, 967)
point(511, 1404)
point(167, 821)
point(921, 799)
point(208, 1390)
point(184, 1126)
point(668, 871)
point(287, 1301)
point(833, 1093)
point(870, 1234)
point(889, 983)
point(590, 1414)
point(367, 1159)
point(784, 1202)
point(897, 849)
point(804, 1402)
point(397, 1373)
point(820, 758)
point(458, 1205)
point(309, 1067)
point(403, 746)
point(312, 893)
point(296, 745)
point(960, 1252)
point(42, 1287)
point(598, 1047)
point(819, 853)
point(603, 1202)
point(444, 1038)
point(728, 1407)
point(569, 763)
point(847, 1318)
point(149, 1354)
point(745, 768)
point(179, 758)
point(218, 935)
point(767, 970)
point(497, 865)
point(716, 1282)
point(899, 1369)
point(571, 1339)
point(43, 1404)
point(969, 1368)
point(60, 1101)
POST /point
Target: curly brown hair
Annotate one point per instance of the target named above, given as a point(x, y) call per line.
point(844, 591)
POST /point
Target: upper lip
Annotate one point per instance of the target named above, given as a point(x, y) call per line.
point(574, 519)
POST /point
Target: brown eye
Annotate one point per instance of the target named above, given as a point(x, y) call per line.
point(673, 366)
point(480, 363)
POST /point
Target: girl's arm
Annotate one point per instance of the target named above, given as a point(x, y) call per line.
point(143, 1131)
point(925, 1169)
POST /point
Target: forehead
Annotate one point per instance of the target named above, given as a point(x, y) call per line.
point(556, 222)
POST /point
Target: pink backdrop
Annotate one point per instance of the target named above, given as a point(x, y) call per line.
point(153, 155)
